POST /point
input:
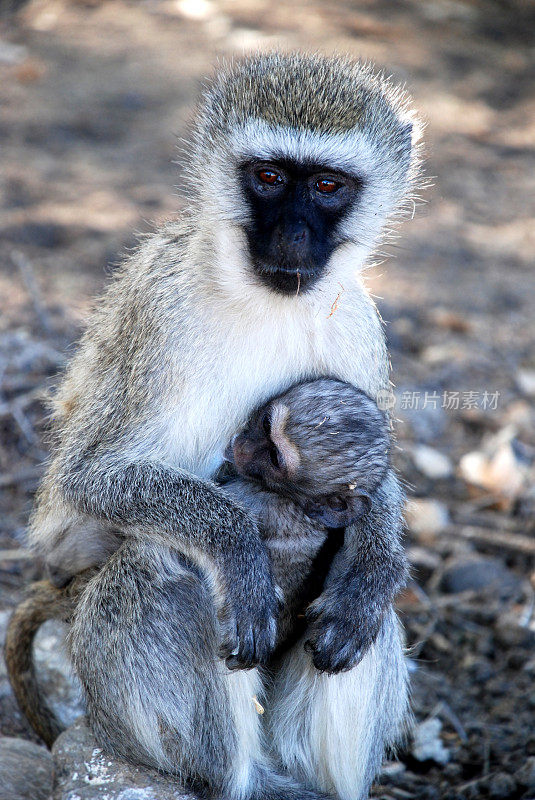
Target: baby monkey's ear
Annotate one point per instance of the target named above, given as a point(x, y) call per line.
point(339, 511)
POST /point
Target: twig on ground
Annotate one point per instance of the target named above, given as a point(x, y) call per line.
point(20, 402)
point(509, 541)
point(442, 708)
point(16, 554)
point(15, 478)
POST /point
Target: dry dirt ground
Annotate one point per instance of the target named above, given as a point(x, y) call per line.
point(93, 97)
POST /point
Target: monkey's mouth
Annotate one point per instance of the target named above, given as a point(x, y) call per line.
point(287, 280)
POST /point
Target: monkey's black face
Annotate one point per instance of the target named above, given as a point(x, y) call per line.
point(295, 214)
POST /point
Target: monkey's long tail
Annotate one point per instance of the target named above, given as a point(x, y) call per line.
point(44, 601)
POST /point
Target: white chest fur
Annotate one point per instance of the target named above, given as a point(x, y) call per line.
point(269, 344)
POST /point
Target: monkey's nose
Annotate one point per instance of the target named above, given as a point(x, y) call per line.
point(228, 454)
point(301, 234)
point(243, 452)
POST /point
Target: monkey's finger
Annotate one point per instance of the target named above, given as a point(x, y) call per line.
point(233, 663)
point(227, 650)
point(309, 646)
point(247, 650)
point(316, 608)
point(229, 643)
point(334, 652)
point(265, 638)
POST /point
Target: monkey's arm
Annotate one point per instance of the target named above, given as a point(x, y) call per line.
point(197, 518)
point(363, 580)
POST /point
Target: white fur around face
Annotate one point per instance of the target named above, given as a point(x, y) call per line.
point(352, 152)
point(382, 178)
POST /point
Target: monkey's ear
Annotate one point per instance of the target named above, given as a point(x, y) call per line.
point(337, 511)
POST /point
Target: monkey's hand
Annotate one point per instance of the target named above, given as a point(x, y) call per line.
point(341, 629)
point(250, 608)
point(363, 580)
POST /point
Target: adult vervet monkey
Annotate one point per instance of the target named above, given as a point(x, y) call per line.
point(296, 164)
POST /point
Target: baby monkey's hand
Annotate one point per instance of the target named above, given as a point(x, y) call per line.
point(363, 581)
point(341, 627)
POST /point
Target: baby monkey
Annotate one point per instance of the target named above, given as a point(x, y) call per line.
point(308, 466)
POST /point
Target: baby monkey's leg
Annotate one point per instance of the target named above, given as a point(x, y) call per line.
point(144, 642)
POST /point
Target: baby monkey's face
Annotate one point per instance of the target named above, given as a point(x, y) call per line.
point(324, 444)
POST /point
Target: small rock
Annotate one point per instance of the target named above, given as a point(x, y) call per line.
point(11, 53)
point(30, 71)
point(526, 774)
point(449, 353)
point(504, 466)
point(475, 574)
point(195, 9)
point(432, 463)
point(26, 770)
point(426, 423)
point(525, 380)
point(427, 744)
point(426, 518)
point(510, 633)
point(501, 786)
point(392, 769)
point(85, 772)
point(450, 320)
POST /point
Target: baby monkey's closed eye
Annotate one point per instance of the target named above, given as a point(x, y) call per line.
point(274, 455)
point(266, 424)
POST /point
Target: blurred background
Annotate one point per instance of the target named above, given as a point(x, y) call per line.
point(93, 96)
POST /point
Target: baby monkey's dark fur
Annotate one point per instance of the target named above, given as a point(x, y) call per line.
point(307, 466)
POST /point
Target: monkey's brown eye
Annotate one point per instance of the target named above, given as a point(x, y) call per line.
point(327, 186)
point(270, 177)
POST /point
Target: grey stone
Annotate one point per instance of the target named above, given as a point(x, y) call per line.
point(427, 744)
point(26, 770)
point(501, 786)
point(426, 424)
point(426, 518)
point(431, 462)
point(526, 774)
point(478, 574)
point(85, 772)
point(55, 675)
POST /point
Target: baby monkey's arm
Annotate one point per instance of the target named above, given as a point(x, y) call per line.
point(364, 578)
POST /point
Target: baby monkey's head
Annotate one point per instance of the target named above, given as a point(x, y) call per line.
point(324, 444)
